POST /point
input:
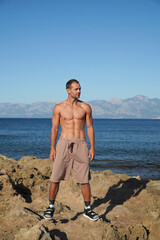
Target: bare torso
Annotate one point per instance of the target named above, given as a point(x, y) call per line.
point(72, 120)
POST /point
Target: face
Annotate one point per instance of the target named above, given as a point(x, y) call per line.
point(75, 90)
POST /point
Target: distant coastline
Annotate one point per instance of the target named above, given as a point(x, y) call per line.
point(138, 107)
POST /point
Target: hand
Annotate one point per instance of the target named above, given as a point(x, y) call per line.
point(91, 154)
point(53, 155)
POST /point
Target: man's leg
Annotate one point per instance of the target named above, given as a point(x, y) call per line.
point(54, 187)
point(86, 192)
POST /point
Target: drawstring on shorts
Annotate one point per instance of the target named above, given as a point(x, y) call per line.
point(70, 147)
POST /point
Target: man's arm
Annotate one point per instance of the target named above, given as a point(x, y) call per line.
point(54, 131)
point(90, 132)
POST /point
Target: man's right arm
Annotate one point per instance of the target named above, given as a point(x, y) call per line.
point(54, 131)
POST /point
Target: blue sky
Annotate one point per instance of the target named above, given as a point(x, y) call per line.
point(111, 46)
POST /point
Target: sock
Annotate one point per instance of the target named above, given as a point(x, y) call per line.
point(87, 204)
point(51, 203)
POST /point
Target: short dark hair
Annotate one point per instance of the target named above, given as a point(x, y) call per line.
point(68, 84)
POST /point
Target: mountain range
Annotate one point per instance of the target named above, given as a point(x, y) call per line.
point(138, 107)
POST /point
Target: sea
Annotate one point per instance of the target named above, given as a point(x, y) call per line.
point(125, 146)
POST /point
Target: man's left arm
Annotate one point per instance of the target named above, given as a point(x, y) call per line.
point(90, 132)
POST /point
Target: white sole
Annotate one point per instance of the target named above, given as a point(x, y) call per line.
point(90, 218)
point(48, 218)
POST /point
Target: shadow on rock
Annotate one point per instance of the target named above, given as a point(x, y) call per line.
point(119, 193)
point(76, 216)
point(33, 212)
point(64, 221)
point(24, 192)
point(57, 233)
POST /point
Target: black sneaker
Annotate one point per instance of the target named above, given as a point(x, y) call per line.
point(48, 214)
point(88, 213)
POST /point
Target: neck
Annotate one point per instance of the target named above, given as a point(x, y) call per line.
point(72, 101)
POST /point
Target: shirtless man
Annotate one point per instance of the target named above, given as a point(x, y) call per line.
point(71, 152)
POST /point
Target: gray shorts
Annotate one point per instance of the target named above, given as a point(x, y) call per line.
point(71, 154)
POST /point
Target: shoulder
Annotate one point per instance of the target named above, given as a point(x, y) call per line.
point(58, 107)
point(86, 106)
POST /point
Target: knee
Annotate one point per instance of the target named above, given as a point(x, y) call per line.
point(85, 185)
point(54, 185)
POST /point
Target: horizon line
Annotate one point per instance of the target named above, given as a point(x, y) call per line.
point(58, 101)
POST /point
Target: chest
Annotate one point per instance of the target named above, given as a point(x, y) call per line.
point(69, 113)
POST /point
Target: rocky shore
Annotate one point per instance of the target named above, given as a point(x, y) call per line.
point(129, 207)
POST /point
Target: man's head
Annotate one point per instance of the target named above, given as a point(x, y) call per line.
point(69, 83)
point(73, 88)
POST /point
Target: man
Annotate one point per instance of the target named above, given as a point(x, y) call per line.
point(71, 151)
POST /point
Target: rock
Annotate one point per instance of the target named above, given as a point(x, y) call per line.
point(129, 207)
point(36, 232)
point(155, 230)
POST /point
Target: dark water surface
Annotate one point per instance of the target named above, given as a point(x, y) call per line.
point(123, 146)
